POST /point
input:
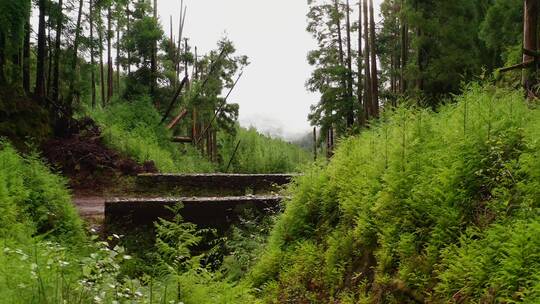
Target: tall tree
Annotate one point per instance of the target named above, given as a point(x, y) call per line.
point(110, 70)
point(530, 41)
point(153, 63)
point(367, 64)
point(373, 53)
point(57, 49)
point(26, 58)
point(41, 51)
point(404, 48)
point(75, 58)
point(101, 63)
point(350, 81)
point(360, 89)
point(92, 51)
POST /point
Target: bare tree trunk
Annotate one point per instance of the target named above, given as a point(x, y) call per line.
point(110, 70)
point(404, 49)
point(50, 62)
point(314, 143)
point(214, 146)
point(92, 61)
point(56, 81)
point(362, 116)
point(530, 41)
point(41, 52)
point(183, 11)
point(2, 58)
point(172, 51)
point(118, 9)
point(101, 63)
point(128, 24)
point(373, 53)
point(26, 58)
point(74, 63)
point(350, 106)
point(153, 62)
point(367, 69)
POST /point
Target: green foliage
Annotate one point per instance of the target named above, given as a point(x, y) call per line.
point(34, 201)
point(133, 128)
point(259, 153)
point(422, 207)
point(13, 17)
point(195, 282)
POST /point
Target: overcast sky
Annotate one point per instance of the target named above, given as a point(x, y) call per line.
point(271, 94)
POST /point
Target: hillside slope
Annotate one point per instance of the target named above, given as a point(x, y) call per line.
point(422, 208)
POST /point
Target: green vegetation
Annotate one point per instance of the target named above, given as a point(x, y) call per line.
point(46, 257)
point(424, 207)
point(259, 153)
point(134, 129)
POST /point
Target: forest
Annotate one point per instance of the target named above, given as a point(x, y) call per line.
point(127, 175)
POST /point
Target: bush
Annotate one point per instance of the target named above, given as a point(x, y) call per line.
point(412, 207)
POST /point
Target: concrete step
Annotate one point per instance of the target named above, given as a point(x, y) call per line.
point(217, 184)
point(215, 212)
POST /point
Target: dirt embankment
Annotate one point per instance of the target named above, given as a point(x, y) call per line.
point(90, 165)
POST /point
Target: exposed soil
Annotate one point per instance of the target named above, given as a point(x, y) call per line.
point(89, 164)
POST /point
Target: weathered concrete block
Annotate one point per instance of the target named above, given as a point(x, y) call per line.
point(218, 184)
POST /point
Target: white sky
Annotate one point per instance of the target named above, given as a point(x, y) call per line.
point(271, 94)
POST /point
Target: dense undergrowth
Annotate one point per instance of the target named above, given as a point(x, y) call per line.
point(134, 129)
point(259, 153)
point(47, 257)
point(422, 208)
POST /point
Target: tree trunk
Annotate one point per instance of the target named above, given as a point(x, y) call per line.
point(118, 50)
point(350, 105)
point(92, 61)
point(362, 115)
point(373, 53)
point(128, 28)
point(404, 49)
point(2, 58)
point(153, 62)
point(110, 70)
point(101, 63)
point(367, 70)
point(26, 59)
point(74, 63)
point(56, 79)
point(50, 62)
point(530, 40)
point(41, 52)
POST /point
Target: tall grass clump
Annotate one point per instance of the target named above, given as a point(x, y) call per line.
point(134, 129)
point(423, 207)
point(258, 153)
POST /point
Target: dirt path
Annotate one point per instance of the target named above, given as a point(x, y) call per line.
point(90, 206)
point(91, 209)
